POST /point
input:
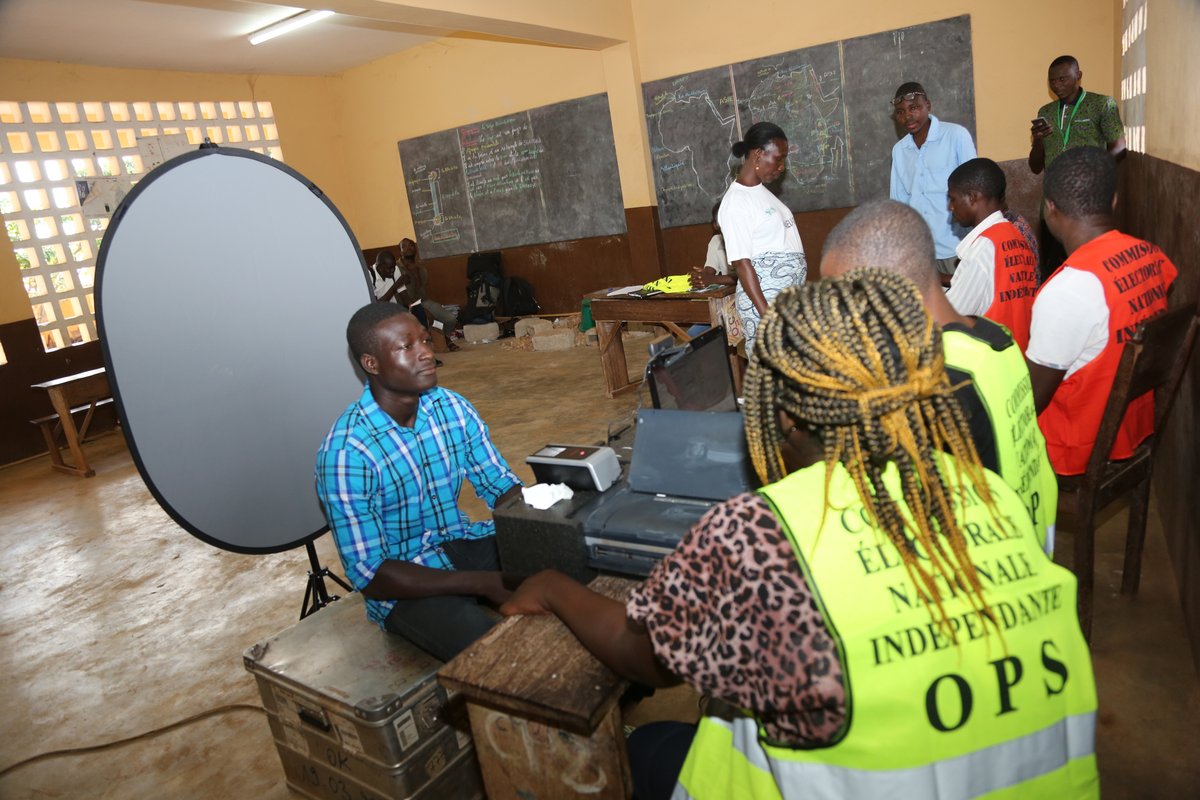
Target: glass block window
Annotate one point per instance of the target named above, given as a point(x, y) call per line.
point(64, 168)
point(1133, 73)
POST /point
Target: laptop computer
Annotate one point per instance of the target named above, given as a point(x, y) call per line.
point(683, 463)
point(694, 376)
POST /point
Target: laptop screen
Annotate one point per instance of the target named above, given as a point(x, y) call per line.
point(694, 376)
point(692, 454)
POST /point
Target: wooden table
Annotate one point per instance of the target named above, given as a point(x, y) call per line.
point(668, 310)
point(65, 393)
point(544, 712)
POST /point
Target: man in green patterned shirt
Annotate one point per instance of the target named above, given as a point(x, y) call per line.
point(1076, 119)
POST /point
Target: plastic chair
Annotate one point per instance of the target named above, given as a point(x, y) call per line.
point(1155, 359)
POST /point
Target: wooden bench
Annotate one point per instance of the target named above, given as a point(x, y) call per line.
point(544, 712)
point(51, 425)
point(80, 393)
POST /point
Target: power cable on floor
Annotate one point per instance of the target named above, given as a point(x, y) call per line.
point(129, 739)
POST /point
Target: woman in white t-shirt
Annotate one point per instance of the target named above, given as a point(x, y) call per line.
point(761, 240)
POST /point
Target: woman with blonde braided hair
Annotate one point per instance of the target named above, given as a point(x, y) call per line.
point(873, 395)
point(879, 619)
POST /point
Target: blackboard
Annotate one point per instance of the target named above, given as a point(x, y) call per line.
point(833, 101)
point(548, 174)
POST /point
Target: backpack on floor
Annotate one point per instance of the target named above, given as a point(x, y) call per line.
point(483, 288)
point(482, 297)
point(516, 298)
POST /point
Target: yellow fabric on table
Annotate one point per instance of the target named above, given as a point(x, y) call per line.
point(672, 284)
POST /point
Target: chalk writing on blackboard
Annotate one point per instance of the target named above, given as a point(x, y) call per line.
point(542, 175)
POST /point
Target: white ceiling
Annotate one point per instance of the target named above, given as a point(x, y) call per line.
point(196, 36)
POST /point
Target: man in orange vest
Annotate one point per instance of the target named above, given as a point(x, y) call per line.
point(1088, 309)
point(997, 269)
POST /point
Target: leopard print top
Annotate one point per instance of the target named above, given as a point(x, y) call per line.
point(730, 613)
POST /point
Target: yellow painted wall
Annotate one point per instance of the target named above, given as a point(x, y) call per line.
point(306, 111)
point(594, 18)
point(622, 72)
point(1172, 68)
point(1013, 42)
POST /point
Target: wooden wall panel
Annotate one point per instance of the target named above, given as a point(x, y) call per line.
point(685, 247)
point(1160, 201)
point(562, 272)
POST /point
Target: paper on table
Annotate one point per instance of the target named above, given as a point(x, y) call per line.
point(543, 495)
point(637, 287)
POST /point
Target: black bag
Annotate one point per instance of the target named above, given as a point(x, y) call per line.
point(516, 298)
point(484, 262)
point(483, 288)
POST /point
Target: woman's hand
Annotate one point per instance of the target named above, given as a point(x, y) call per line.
point(702, 276)
point(532, 596)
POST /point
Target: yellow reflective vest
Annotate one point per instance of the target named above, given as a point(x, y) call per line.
point(997, 714)
point(1000, 377)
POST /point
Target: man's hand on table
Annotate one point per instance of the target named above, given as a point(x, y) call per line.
point(492, 587)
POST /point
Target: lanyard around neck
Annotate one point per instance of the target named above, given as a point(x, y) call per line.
point(1065, 131)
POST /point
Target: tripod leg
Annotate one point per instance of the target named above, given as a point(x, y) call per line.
point(305, 609)
point(315, 595)
point(338, 580)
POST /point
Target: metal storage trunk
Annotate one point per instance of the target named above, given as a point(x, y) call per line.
point(420, 766)
point(458, 780)
point(351, 703)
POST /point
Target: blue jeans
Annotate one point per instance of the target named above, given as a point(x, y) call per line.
point(445, 626)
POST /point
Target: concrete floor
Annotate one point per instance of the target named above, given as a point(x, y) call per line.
point(116, 622)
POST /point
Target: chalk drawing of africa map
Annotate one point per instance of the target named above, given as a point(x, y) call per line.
point(692, 122)
point(812, 115)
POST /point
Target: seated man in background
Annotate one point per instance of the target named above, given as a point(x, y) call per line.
point(716, 263)
point(389, 475)
point(417, 278)
point(982, 360)
point(997, 269)
point(384, 281)
point(715, 272)
point(389, 286)
point(1087, 309)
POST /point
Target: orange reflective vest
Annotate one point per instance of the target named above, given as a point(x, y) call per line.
point(1136, 276)
point(1015, 276)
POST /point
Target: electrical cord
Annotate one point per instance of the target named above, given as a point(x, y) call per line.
point(130, 739)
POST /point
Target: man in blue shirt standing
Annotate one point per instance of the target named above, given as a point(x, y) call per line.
point(388, 477)
point(921, 164)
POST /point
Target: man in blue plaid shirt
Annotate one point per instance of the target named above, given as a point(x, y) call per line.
point(388, 476)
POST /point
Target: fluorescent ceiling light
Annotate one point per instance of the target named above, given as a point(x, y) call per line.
point(288, 25)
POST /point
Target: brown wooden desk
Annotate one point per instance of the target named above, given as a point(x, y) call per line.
point(544, 711)
point(85, 387)
point(668, 310)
